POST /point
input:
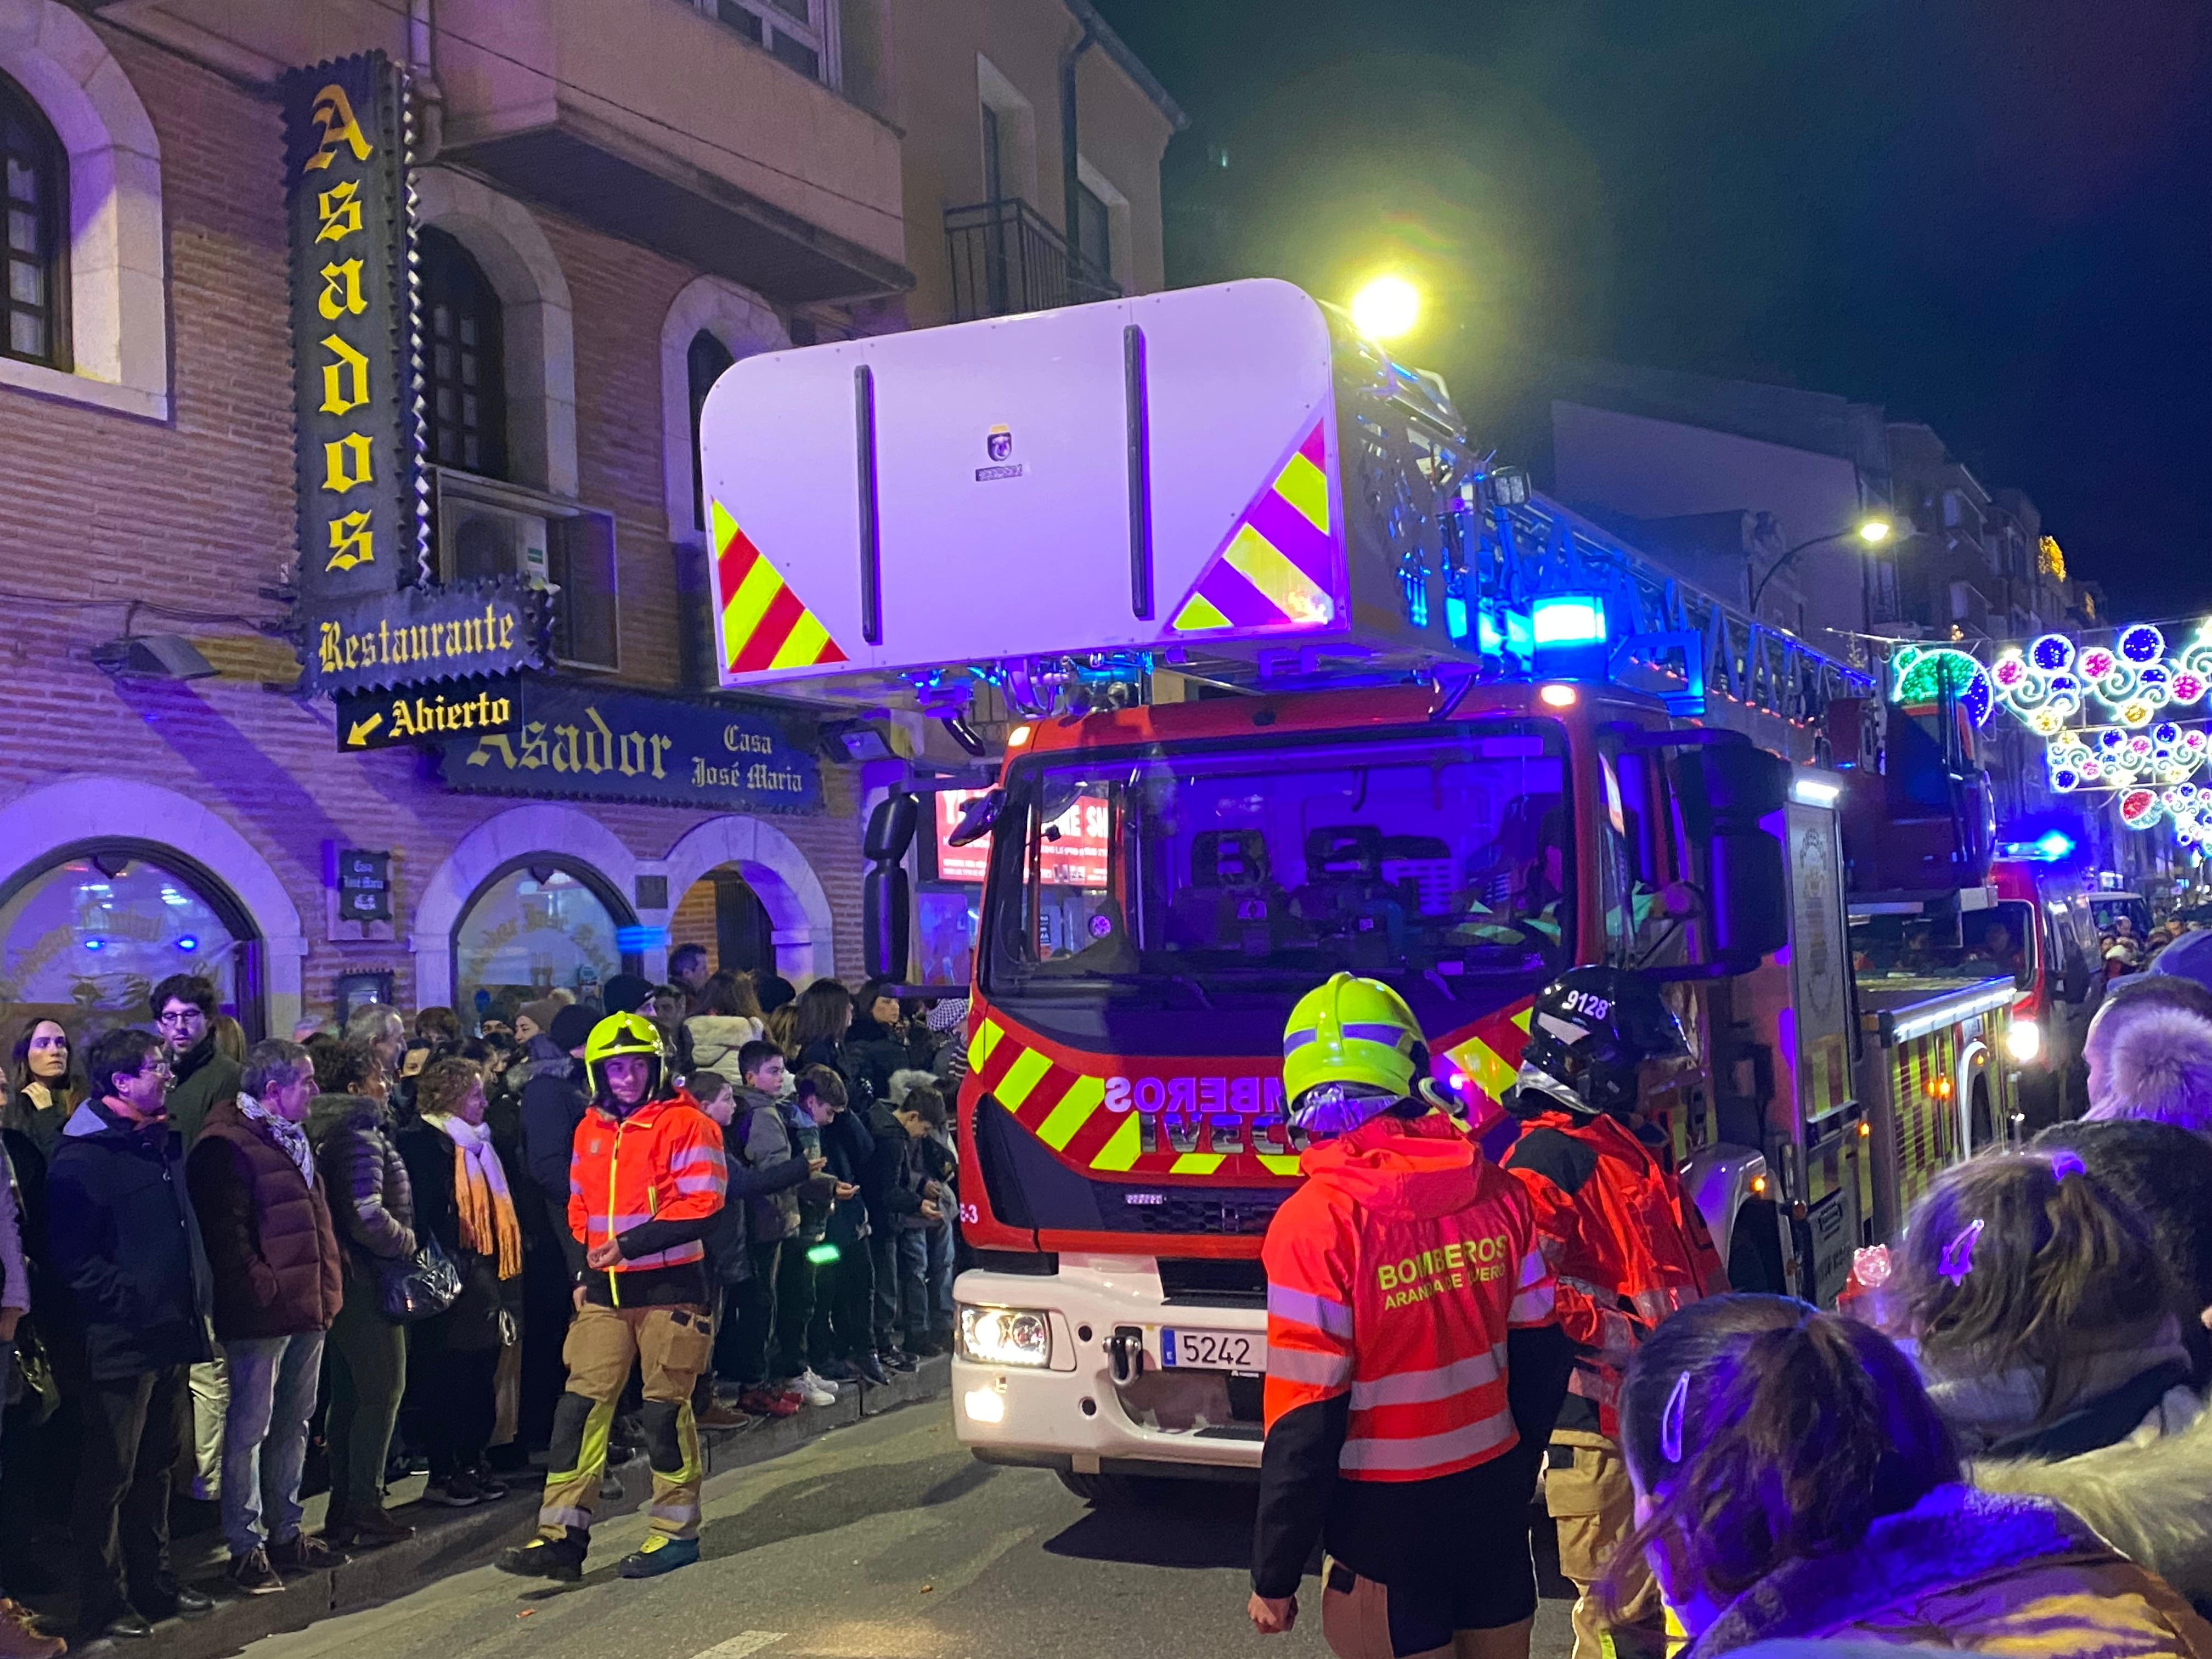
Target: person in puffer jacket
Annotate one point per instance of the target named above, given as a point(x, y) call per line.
point(373, 1207)
point(764, 1142)
point(1794, 1482)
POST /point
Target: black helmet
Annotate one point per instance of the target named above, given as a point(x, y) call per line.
point(1589, 1030)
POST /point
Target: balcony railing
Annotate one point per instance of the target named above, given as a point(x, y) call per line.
point(1006, 258)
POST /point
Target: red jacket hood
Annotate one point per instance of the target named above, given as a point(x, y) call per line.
point(1420, 1168)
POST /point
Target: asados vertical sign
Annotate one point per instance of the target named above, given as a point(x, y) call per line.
point(352, 327)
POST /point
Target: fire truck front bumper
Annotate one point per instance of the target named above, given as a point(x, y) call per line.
point(1089, 1371)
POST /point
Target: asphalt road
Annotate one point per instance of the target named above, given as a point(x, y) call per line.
point(885, 1540)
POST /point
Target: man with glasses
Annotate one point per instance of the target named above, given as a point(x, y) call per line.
point(126, 1249)
point(183, 1008)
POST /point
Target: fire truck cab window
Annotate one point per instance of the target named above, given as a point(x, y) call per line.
point(1439, 862)
point(1991, 943)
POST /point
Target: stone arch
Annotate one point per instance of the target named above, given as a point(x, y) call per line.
point(742, 321)
point(117, 280)
point(508, 243)
point(776, 870)
point(39, 823)
point(541, 828)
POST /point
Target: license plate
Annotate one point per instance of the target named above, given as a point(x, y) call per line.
point(1213, 1350)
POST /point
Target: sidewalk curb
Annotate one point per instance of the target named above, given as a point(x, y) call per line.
point(454, 1541)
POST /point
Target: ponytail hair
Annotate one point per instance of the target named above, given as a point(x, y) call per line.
point(2057, 1270)
point(1762, 1431)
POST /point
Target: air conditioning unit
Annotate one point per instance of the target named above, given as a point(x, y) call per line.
point(487, 527)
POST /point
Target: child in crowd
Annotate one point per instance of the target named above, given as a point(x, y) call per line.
point(840, 1342)
point(2040, 1311)
point(763, 1140)
point(797, 1269)
point(924, 1246)
point(1793, 1480)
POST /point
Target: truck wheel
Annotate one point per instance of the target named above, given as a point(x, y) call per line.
point(1755, 1249)
point(1114, 1492)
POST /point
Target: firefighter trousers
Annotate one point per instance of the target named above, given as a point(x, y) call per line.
point(1587, 1494)
point(671, 1346)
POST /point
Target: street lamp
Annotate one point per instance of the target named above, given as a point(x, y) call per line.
point(1873, 531)
point(1386, 308)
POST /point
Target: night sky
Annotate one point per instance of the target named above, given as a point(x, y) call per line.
point(1993, 215)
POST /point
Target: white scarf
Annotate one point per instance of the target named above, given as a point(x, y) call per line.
point(289, 1136)
point(475, 1141)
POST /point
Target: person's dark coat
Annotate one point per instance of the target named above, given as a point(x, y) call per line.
point(270, 1244)
point(553, 1104)
point(126, 1244)
point(203, 1076)
point(848, 1146)
point(763, 1141)
point(748, 1185)
point(365, 1180)
point(891, 1184)
point(472, 1323)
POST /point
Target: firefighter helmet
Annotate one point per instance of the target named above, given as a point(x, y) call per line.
point(1351, 1051)
point(622, 1034)
point(1590, 1031)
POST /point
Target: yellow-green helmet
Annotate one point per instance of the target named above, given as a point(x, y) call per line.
point(1356, 1042)
point(622, 1034)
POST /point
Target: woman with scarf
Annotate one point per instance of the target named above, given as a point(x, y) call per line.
point(463, 1200)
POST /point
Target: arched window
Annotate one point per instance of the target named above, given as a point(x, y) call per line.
point(86, 933)
point(467, 370)
point(536, 925)
point(33, 177)
point(703, 364)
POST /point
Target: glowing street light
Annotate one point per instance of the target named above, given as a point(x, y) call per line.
point(1386, 308)
point(1875, 531)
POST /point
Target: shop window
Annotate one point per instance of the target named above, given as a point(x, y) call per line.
point(33, 175)
point(85, 937)
point(465, 368)
point(537, 926)
point(703, 365)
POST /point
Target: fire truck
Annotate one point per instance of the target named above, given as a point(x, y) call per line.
point(1302, 682)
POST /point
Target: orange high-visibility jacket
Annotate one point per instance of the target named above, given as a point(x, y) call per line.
point(1627, 1248)
point(654, 1180)
point(1394, 1275)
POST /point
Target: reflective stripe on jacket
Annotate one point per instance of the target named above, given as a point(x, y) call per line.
point(663, 1163)
point(1627, 1249)
point(1393, 1275)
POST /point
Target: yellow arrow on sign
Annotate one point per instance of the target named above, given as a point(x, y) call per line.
point(362, 731)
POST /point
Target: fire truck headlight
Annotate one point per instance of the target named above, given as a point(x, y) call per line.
point(2023, 1041)
point(1006, 1336)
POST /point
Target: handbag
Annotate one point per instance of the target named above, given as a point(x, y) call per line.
point(413, 1288)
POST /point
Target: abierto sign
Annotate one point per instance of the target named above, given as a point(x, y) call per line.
point(575, 740)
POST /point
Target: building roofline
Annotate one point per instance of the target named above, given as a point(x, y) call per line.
point(1131, 65)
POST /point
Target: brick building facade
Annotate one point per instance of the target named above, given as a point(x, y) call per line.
point(149, 822)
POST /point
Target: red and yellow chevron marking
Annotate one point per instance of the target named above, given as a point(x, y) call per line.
point(1063, 1105)
point(1055, 1095)
point(764, 626)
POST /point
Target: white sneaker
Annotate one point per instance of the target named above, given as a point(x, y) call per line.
point(815, 1390)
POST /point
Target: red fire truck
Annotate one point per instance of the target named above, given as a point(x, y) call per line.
point(1303, 683)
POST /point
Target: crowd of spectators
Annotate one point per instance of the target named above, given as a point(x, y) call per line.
point(210, 1255)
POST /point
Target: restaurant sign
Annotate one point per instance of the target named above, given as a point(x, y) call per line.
point(579, 741)
point(415, 713)
point(422, 633)
point(354, 396)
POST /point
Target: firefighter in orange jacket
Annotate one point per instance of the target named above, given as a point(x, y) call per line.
point(1414, 1362)
point(1627, 1249)
point(645, 1183)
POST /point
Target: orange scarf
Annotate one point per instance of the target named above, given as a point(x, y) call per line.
point(481, 1195)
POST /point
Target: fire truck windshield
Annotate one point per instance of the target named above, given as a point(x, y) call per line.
point(1220, 877)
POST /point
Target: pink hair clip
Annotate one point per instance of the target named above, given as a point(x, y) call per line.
point(2065, 1163)
point(1670, 1421)
point(1959, 1254)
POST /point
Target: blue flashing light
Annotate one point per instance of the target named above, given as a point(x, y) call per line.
point(1487, 638)
point(1455, 615)
point(637, 940)
point(95, 945)
point(2049, 847)
point(1568, 619)
point(188, 944)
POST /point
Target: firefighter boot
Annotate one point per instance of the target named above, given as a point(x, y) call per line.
point(561, 1559)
